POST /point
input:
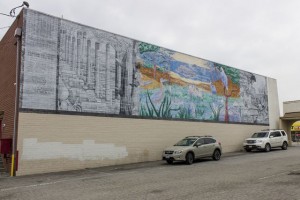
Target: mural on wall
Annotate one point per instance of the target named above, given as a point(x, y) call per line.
point(93, 71)
point(174, 85)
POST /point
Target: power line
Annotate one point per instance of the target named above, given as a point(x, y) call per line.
point(6, 15)
point(4, 27)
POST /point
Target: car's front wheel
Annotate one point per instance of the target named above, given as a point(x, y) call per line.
point(169, 161)
point(284, 146)
point(248, 150)
point(267, 147)
point(189, 158)
point(216, 155)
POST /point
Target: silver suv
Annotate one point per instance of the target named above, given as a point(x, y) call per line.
point(191, 148)
point(266, 139)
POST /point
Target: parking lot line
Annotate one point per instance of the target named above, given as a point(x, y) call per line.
point(103, 174)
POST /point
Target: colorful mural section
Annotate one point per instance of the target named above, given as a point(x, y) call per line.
point(74, 68)
point(175, 85)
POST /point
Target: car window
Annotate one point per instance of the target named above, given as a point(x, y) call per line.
point(209, 140)
point(277, 134)
point(185, 142)
point(260, 135)
point(200, 142)
point(273, 134)
point(283, 133)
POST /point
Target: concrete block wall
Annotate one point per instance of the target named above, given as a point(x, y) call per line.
point(291, 106)
point(50, 142)
point(273, 103)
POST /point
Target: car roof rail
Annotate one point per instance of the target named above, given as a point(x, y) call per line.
point(193, 136)
point(199, 136)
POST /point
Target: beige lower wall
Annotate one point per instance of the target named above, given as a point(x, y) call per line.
point(291, 106)
point(273, 103)
point(51, 142)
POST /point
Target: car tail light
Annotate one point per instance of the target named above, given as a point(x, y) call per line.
point(219, 143)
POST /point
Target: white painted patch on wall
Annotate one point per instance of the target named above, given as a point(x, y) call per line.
point(88, 150)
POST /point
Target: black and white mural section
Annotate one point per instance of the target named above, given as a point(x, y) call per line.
point(74, 68)
point(39, 61)
point(254, 107)
point(70, 67)
point(95, 71)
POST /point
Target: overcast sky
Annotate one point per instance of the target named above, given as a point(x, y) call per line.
point(260, 36)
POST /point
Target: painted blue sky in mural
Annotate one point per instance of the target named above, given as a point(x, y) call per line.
point(189, 71)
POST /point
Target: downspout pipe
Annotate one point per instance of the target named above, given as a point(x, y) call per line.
point(18, 34)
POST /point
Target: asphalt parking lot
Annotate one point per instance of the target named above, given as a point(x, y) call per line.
point(241, 175)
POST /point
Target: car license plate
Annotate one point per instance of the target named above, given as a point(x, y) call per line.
point(250, 146)
point(167, 156)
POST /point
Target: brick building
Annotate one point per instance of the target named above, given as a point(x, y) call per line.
point(90, 98)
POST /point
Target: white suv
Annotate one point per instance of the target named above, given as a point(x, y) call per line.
point(266, 139)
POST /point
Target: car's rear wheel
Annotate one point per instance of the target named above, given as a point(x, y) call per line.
point(189, 158)
point(216, 155)
point(267, 148)
point(284, 146)
point(169, 161)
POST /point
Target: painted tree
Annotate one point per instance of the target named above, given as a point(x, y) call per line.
point(154, 56)
point(227, 75)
